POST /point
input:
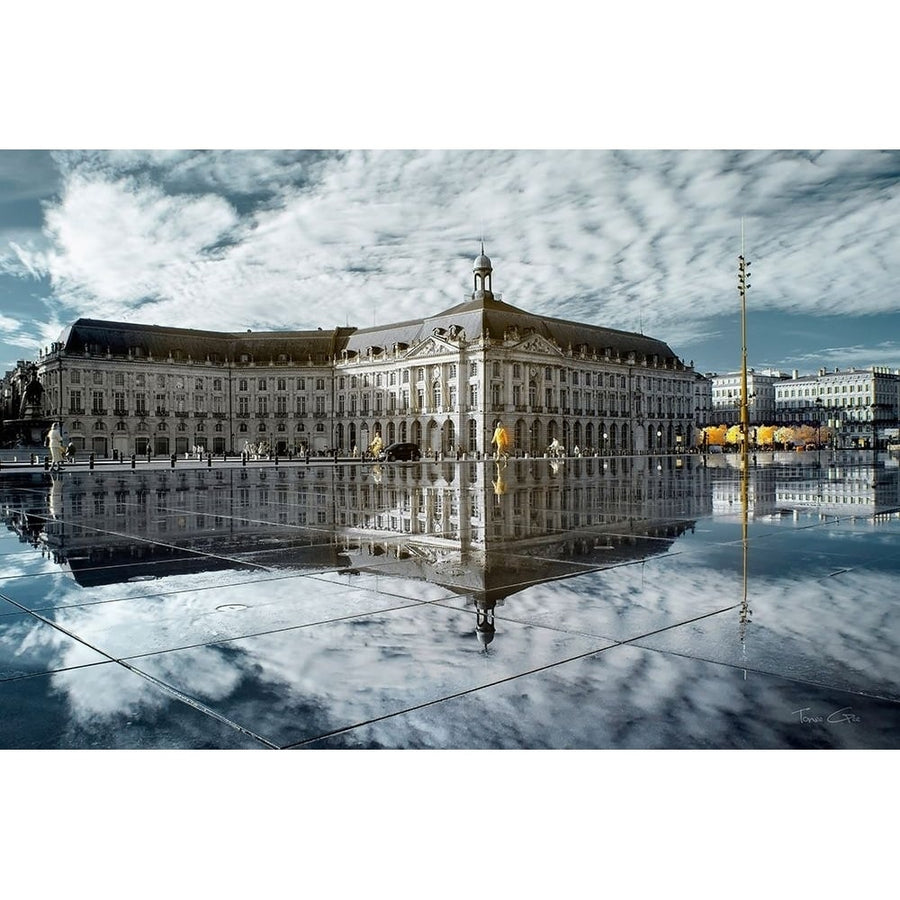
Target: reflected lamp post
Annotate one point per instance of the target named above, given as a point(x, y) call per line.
point(874, 408)
point(658, 439)
point(818, 426)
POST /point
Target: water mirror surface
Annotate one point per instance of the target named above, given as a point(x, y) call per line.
point(618, 602)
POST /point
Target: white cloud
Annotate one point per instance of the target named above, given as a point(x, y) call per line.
point(8, 324)
point(858, 355)
point(618, 238)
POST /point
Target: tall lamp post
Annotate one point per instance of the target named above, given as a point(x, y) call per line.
point(743, 286)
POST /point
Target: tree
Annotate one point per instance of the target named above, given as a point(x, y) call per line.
point(715, 435)
point(784, 435)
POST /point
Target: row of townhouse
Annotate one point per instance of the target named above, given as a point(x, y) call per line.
point(860, 406)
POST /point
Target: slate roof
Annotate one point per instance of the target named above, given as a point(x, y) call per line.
point(479, 315)
point(488, 314)
point(120, 338)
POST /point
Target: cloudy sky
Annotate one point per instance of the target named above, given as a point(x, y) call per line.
point(632, 239)
point(637, 240)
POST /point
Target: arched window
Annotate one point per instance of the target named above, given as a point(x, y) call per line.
point(449, 435)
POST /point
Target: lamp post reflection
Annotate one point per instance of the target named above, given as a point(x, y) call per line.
point(874, 409)
point(818, 427)
point(745, 611)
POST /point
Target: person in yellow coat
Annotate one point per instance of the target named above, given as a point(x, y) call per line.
point(376, 446)
point(500, 440)
point(499, 483)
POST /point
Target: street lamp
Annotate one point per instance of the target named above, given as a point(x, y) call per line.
point(658, 439)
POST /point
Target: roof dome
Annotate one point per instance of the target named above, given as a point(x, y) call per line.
point(485, 635)
point(482, 263)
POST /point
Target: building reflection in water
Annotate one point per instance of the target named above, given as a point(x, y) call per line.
point(482, 530)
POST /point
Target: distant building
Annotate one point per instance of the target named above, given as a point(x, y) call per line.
point(726, 397)
point(857, 404)
point(441, 381)
point(703, 405)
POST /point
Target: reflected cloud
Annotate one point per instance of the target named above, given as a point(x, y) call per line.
point(304, 600)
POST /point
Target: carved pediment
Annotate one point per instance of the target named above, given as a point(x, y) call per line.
point(534, 343)
point(432, 346)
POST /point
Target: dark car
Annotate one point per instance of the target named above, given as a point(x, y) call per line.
point(401, 452)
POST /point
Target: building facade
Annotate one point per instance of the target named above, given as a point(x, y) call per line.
point(726, 397)
point(703, 407)
point(856, 404)
point(442, 382)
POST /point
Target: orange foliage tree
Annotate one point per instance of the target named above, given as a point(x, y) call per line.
point(711, 435)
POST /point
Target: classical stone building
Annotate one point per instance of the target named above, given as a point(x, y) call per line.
point(441, 381)
point(858, 405)
point(726, 397)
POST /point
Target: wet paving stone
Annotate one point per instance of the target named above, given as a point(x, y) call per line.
point(618, 603)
